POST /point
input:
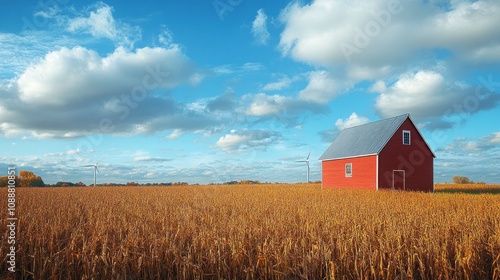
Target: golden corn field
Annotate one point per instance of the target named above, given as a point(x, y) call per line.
point(254, 232)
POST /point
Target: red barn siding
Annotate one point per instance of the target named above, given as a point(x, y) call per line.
point(364, 175)
point(415, 159)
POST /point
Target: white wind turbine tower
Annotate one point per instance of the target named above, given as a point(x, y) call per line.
point(307, 162)
point(96, 170)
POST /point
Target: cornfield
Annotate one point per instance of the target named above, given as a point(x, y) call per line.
point(253, 232)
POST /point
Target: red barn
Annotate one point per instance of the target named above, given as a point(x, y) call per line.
point(387, 154)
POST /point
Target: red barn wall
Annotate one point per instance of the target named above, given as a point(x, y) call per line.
point(364, 175)
point(415, 159)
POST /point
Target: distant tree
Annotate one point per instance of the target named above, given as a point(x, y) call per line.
point(461, 180)
point(4, 181)
point(67, 184)
point(29, 179)
point(249, 182)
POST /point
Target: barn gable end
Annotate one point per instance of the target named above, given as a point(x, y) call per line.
point(387, 154)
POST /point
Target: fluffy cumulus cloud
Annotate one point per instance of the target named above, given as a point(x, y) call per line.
point(368, 33)
point(264, 105)
point(412, 92)
point(341, 124)
point(246, 139)
point(259, 28)
point(322, 87)
point(70, 76)
point(353, 120)
point(360, 41)
point(124, 92)
point(423, 94)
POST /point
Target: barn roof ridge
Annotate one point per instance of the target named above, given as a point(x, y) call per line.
point(374, 122)
point(365, 139)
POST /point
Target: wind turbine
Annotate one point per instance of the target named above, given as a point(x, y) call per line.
point(96, 170)
point(307, 162)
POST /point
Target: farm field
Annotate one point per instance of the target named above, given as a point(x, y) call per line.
point(254, 232)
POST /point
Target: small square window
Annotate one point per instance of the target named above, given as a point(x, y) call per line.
point(406, 137)
point(348, 169)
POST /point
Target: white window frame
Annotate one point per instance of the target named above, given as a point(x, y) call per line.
point(409, 137)
point(348, 175)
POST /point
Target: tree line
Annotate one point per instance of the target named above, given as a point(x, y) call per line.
point(29, 179)
point(24, 179)
point(463, 180)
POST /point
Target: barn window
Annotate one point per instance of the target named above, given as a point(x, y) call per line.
point(348, 169)
point(406, 137)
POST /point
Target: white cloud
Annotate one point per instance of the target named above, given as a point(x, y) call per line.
point(116, 94)
point(477, 158)
point(369, 32)
point(66, 153)
point(242, 140)
point(495, 138)
point(279, 106)
point(259, 28)
point(150, 159)
point(423, 94)
point(101, 24)
point(465, 27)
point(322, 87)
point(353, 120)
point(17, 52)
point(175, 134)
point(252, 66)
point(50, 12)
point(473, 147)
point(68, 77)
point(263, 105)
point(282, 83)
point(166, 37)
point(485, 54)
point(360, 41)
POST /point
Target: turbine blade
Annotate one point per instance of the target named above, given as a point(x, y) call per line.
point(308, 155)
point(101, 159)
point(87, 165)
point(96, 169)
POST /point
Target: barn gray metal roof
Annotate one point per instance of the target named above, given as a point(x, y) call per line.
point(366, 139)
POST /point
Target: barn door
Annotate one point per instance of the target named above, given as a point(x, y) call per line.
point(398, 180)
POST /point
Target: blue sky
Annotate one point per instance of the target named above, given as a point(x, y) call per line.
point(214, 91)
